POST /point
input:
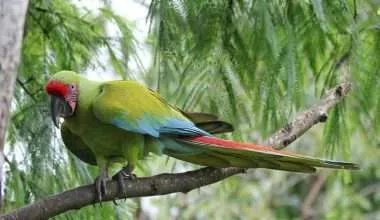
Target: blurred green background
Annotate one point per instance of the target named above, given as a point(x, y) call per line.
point(253, 63)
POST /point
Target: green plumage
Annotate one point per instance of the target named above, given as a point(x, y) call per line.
point(123, 121)
point(207, 122)
point(92, 137)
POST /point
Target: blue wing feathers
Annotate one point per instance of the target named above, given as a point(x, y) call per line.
point(170, 126)
point(152, 116)
point(140, 127)
point(182, 127)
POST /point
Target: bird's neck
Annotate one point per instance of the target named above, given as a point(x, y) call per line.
point(88, 90)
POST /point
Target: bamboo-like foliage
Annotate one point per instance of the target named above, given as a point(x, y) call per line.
point(256, 63)
point(253, 63)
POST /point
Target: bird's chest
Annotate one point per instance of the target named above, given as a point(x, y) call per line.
point(104, 139)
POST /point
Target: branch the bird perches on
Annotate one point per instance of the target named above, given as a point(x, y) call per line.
point(179, 182)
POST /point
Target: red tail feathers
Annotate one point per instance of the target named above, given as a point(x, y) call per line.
point(236, 145)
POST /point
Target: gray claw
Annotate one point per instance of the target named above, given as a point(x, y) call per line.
point(104, 182)
point(121, 183)
point(124, 173)
point(100, 185)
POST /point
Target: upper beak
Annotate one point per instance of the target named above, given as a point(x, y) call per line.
point(56, 105)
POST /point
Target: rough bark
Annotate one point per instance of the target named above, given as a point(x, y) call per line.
point(171, 183)
point(12, 18)
point(308, 118)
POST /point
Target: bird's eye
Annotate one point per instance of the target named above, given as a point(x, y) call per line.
point(72, 86)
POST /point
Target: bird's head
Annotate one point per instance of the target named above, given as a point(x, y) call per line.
point(63, 89)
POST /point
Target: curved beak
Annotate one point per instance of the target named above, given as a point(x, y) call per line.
point(59, 107)
point(56, 107)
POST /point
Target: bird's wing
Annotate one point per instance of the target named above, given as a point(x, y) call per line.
point(208, 122)
point(77, 146)
point(133, 107)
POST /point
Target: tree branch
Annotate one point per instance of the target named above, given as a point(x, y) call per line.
point(308, 118)
point(146, 186)
point(171, 183)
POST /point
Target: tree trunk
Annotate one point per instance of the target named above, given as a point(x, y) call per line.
point(12, 18)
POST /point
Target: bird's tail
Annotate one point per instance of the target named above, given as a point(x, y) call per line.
point(216, 152)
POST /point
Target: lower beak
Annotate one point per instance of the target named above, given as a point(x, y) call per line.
point(56, 107)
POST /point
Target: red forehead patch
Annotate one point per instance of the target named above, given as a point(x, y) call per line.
point(56, 88)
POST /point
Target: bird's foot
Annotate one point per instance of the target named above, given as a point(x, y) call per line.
point(100, 185)
point(124, 174)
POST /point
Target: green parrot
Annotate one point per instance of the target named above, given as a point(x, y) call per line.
point(123, 121)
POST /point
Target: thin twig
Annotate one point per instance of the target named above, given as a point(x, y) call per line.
point(26, 90)
point(307, 210)
point(368, 190)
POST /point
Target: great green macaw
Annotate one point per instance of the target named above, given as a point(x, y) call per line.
point(123, 121)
